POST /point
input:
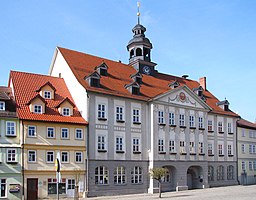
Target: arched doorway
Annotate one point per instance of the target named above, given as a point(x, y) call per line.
point(169, 181)
point(195, 177)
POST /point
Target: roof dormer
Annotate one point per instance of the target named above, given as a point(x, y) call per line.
point(102, 69)
point(2, 105)
point(134, 88)
point(174, 84)
point(37, 104)
point(137, 77)
point(199, 91)
point(93, 79)
point(66, 107)
point(224, 105)
point(47, 91)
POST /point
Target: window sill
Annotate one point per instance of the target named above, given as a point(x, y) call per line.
point(10, 135)
point(136, 152)
point(221, 155)
point(221, 132)
point(230, 155)
point(201, 129)
point(119, 151)
point(192, 127)
point(183, 127)
point(12, 162)
point(161, 124)
point(173, 153)
point(183, 153)
point(162, 152)
point(102, 150)
point(192, 153)
point(120, 121)
point(102, 119)
point(210, 155)
point(209, 131)
point(230, 133)
point(172, 125)
point(137, 123)
point(201, 154)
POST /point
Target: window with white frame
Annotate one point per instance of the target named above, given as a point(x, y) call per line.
point(119, 143)
point(38, 109)
point(136, 175)
point(101, 143)
point(250, 149)
point(182, 120)
point(210, 149)
point(49, 156)
point(220, 129)
point(64, 133)
point(2, 105)
point(230, 172)
point(230, 127)
point(210, 125)
point(66, 111)
point(160, 117)
point(79, 157)
point(182, 147)
point(254, 165)
point(192, 147)
point(160, 145)
point(71, 184)
point(166, 178)
point(200, 122)
point(243, 148)
point(172, 148)
point(250, 166)
point(79, 134)
point(47, 94)
point(253, 149)
point(201, 148)
point(220, 172)
point(136, 145)
point(210, 173)
point(243, 165)
point(101, 111)
point(52, 186)
point(31, 131)
point(3, 188)
point(171, 118)
point(119, 175)
point(230, 152)
point(191, 121)
point(11, 155)
point(119, 113)
point(101, 175)
point(243, 132)
point(64, 156)
point(251, 134)
point(10, 128)
point(50, 132)
point(220, 149)
point(136, 115)
point(31, 156)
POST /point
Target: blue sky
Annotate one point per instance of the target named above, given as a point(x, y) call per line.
point(212, 38)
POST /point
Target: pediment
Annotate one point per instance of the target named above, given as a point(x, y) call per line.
point(182, 96)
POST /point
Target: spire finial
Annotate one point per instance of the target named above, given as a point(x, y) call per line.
point(138, 13)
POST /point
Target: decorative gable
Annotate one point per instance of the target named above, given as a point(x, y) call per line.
point(37, 104)
point(93, 79)
point(66, 107)
point(47, 91)
point(102, 69)
point(134, 88)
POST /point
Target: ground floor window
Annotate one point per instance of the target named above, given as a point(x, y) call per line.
point(230, 172)
point(101, 175)
point(52, 186)
point(137, 175)
point(71, 184)
point(119, 175)
point(210, 173)
point(3, 188)
point(220, 173)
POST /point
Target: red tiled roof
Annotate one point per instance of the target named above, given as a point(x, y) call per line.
point(246, 124)
point(119, 75)
point(26, 88)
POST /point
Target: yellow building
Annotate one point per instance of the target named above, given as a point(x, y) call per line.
point(50, 125)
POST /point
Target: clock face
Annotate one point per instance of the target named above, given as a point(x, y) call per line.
point(146, 70)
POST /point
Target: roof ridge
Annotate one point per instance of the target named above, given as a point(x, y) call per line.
point(14, 71)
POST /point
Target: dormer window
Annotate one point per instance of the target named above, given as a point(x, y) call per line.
point(103, 72)
point(93, 79)
point(137, 78)
point(66, 111)
point(2, 105)
point(224, 105)
point(38, 109)
point(136, 90)
point(47, 95)
point(199, 91)
point(174, 85)
point(102, 69)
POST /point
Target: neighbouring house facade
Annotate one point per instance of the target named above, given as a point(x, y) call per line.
point(246, 144)
point(10, 148)
point(140, 118)
point(50, 127)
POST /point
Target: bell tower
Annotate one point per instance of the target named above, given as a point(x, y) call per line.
point(139, 48)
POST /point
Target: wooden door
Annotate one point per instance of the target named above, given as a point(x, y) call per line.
point(32, 188)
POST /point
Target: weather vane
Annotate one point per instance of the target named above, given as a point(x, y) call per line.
point(138, 13)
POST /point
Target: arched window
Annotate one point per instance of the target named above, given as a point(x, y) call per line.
point(138, 52)
point(230, 172)
point(220, 172)
point(136, 175)
point(101, 175)
point(166, 178)
point(119, 175)
point(132, 53)
point(210, 173)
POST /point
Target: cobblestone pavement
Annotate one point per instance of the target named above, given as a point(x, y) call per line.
point(220, 193)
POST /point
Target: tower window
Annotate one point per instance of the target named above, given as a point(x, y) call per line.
point(132, 53)
point(138, 52)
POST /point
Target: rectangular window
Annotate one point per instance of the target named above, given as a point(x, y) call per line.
point(136, 145)
point(38, 109)
point(191, 121)
point(101, 111)
point(31, 156)
point(64, 133)
point(79, 134)
point(200, 122)
point(11, 156)
point(171, 118)
point(119, 114)
point(243, 133)
point(10, 129)
point(182, 147)
point(66, 111)
point(136, 116)
point(50, 132)
point(3, 187)
point(250, 166)
point(243, 148)
point(31, 131)
point(201, 147)
point(160, 117)
point(229, 127)
point(220, 149)
point(160, 145)
point(47, 95)
point(220, 130)
point(210, 150)
point(52, 186)
point(192, 147)
point(243, 165)
point(172, 148)
point(230, 150)
point(182, 120)
point(79, 157)
point(50, 156)
point(254, 165)
point(251, 134)
point(2, 105)
point(71, 184)
point(119, 144)
point(250, 148)
point(101, 143)
point(210, 127)
point(64, 157)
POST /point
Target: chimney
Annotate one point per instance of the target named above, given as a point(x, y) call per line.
point(185, 76)
point(202, 82)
